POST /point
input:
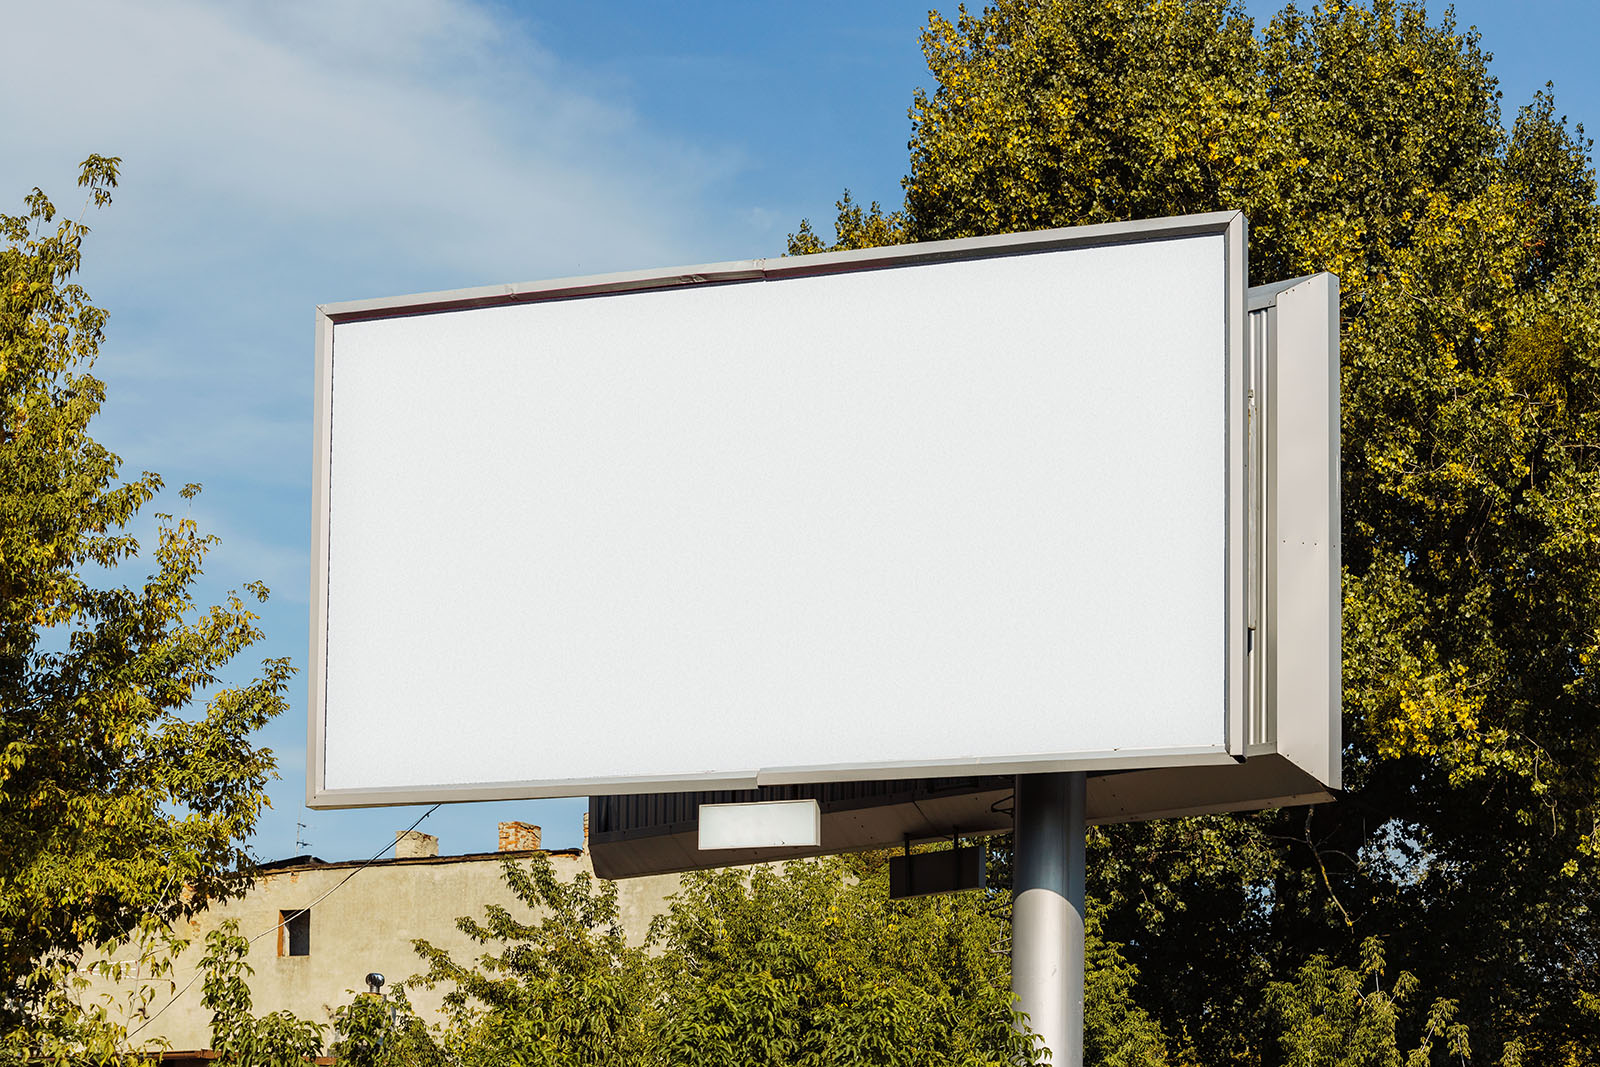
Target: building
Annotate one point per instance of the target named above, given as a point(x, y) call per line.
point(319, 928)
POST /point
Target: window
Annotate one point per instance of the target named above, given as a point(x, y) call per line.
point(294, 932)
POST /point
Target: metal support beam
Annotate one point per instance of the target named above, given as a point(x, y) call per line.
point(1047, 912)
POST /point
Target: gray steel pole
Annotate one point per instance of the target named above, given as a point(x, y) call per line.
point(1047, 911)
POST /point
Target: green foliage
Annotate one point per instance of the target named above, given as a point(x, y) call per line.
point(1341, 1017)
point(377, 1031)
point(240, 1039)
point(566, 990)
point(66, 1025)
point(812, 964)
point(122, 805)
point(1053, 114)
point(1117, 1032)
point(853, 228)
point(61, 1028)
point(809, 963)
point(1365, 139)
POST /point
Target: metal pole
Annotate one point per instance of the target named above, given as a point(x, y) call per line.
point(1047, 911)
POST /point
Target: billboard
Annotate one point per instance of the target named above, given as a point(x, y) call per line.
point(972, 507)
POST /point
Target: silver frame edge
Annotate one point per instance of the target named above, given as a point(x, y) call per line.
point(795, 266)
point(1142, 759)
point(321, 471)
point(1237, 613)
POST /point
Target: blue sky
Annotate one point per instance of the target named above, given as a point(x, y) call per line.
point(277, 156)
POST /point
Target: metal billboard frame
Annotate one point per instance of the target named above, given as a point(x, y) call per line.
point(1230, 225)
point(1294, 740)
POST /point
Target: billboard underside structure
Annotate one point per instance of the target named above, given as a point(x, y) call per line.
point(952, 510)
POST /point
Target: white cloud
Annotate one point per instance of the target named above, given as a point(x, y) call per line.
point(422, 130)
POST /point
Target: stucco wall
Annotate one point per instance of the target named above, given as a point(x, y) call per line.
point(367, 925)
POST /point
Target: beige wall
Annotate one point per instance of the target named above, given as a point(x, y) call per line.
point(367, 925)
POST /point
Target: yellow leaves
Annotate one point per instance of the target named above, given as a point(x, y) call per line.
point(1431, 714)
point(1536, 356)
point(1589, 843)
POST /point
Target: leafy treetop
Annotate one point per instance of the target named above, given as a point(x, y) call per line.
point(123, 804)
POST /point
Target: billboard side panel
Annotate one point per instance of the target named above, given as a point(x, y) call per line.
point(1306, 674)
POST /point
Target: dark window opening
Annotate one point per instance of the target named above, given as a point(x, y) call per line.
point(294, 933)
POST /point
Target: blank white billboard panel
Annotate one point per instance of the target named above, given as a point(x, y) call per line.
point(967, 514)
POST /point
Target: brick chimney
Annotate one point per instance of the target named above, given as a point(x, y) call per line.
point(586, 831)
point(414, 844)
point(518, 837)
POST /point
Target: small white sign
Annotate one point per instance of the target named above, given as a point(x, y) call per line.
point(763, 824)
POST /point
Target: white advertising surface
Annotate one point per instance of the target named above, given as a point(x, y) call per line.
point(966, 514)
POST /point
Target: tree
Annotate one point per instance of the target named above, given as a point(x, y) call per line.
point(566, 989)
point(377, 1031)
point(1328, 1015)
point(240, 1038)
point(124, 804)
point(1365, 140)
point(812, 964)
point(808, 963)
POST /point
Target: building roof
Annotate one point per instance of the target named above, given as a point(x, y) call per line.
point(305, 863)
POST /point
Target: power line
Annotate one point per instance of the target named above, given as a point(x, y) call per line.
point(289, 917)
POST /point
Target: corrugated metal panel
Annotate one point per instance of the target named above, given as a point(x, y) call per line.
point(659, 833)
point(643, 814)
